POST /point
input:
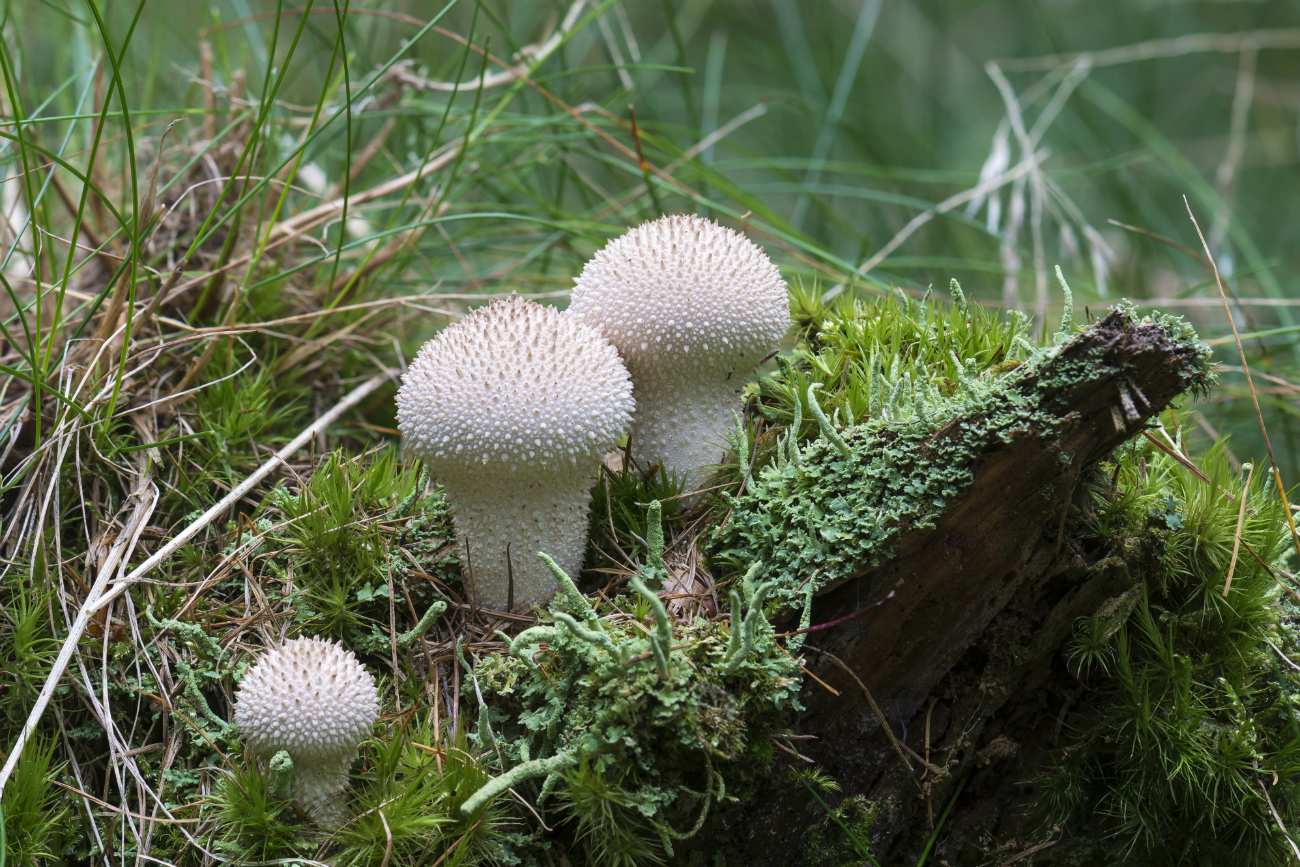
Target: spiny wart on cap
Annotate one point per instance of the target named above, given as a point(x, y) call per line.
point(513, 409)
point(693, 307)
point(317, 702)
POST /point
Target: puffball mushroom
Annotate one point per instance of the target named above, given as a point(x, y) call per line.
point(313, 700)
point(513, 409)
point(693, 307)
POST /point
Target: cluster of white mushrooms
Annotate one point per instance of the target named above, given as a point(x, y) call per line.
point(513, 409)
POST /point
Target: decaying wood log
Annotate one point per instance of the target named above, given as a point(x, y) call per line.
point(981, 601)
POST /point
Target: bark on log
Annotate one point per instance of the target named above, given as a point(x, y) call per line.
point(982, 600)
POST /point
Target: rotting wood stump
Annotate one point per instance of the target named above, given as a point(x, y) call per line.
point(982, 600)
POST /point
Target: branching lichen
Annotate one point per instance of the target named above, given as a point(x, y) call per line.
point(667, 710)
point(516, 775)
point(436, 610)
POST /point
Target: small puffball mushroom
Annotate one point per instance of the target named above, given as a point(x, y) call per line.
point(513, 409)
point(692, 307)
point(312, 699)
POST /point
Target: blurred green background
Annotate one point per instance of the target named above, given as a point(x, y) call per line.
point(825, 128)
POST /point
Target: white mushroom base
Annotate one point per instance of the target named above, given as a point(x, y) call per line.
point(683, 423)
point(518, 512)
point(318, 788)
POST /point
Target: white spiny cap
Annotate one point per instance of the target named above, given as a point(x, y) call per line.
point(513, 409)
point(314, 700)
point(514, 383)
point(693, 307)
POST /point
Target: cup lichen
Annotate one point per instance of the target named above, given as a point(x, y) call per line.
point(667, 710)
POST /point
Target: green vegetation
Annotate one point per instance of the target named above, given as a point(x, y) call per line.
point(843, 833)
point(644, 723)
point(895, 373)
point(814, 515)
point(1190, 732)
point(219, 220)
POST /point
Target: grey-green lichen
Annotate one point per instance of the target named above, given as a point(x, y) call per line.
point(282, 768)
point(669, 710)
point(820, 511)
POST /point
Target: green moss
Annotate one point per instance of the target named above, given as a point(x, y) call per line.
point(33, 818)
point(1191, 707)
point(833, 841)
point(337, 546)
point(820, 512)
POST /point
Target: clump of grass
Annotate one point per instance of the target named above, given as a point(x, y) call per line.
point(870, 358)
point(236, 413)
point(338, 543)
point(404, 807)
point(254, 824)
point(28, 648)
point(407, 804)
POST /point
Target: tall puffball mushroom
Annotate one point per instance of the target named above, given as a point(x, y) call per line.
point(693, 307)
point(312, 699)
point(513, 409)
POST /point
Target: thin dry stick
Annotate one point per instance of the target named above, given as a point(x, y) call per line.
point(156, 301)
point(832, 690)
point(1030, 851)
point(1171, 243)
point(1191, 467)
point(1241, 522)
point(281, 457)
point(1288, 660)
point(145, 498)
point(1278, 819)
point(1277, 476)
point(388, 834)
point(531, 56)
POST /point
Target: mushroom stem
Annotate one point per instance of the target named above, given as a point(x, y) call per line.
point(531, 512)
point(317, 786)
point(682, 422)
